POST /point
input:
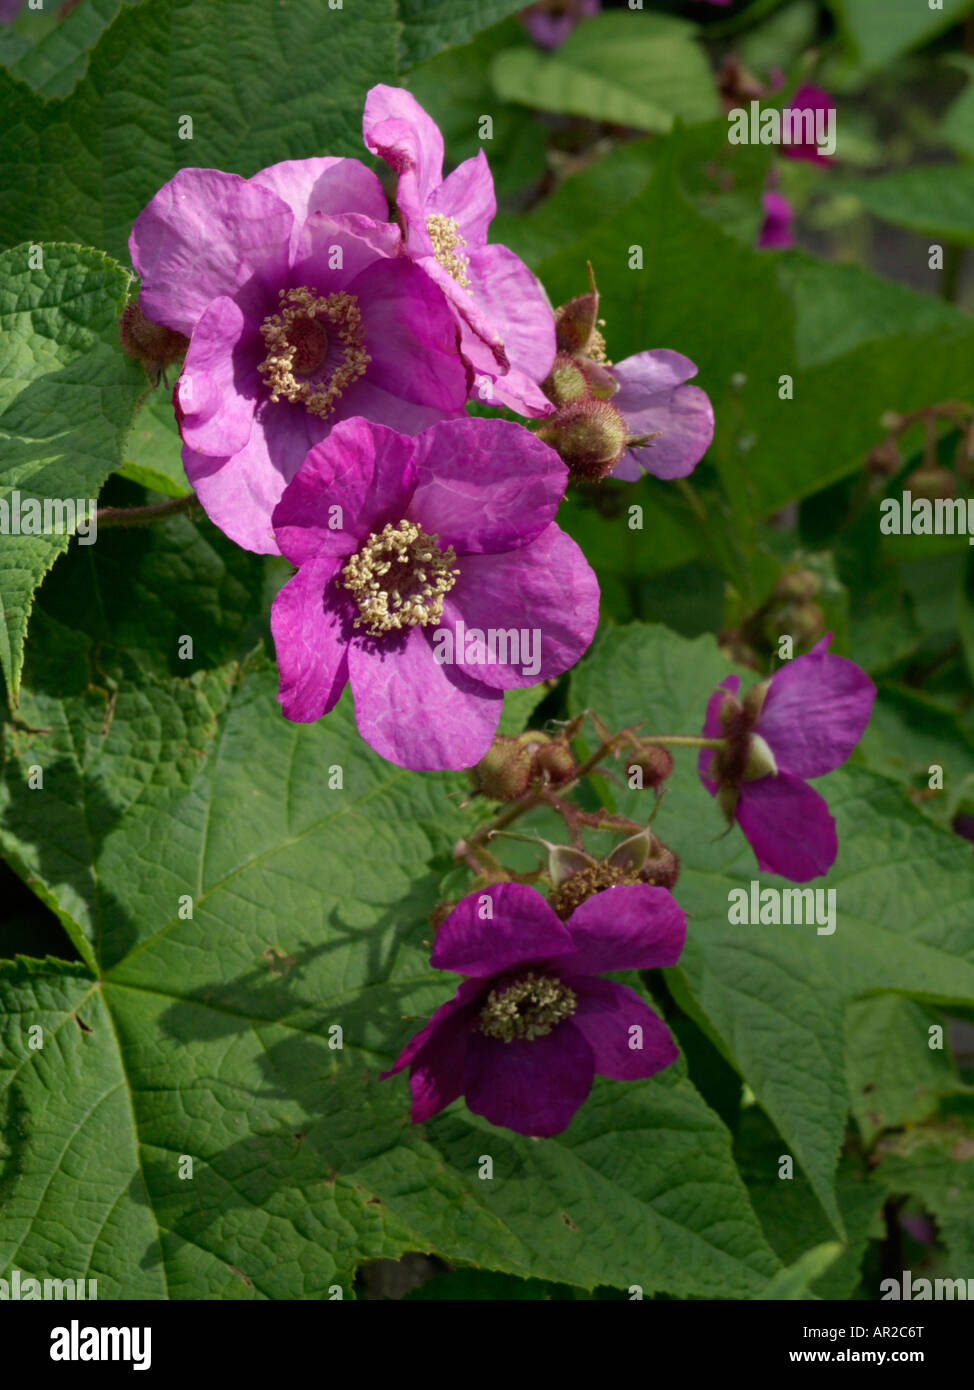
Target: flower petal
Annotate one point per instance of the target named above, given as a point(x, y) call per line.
point(415, 712)
point(397, 129)
point(219, 385)
point(815, 711)
point(512, 299)
point(789, 827)
point(436, 1056)
point(324, 184)
point(311, 642)
point(607, 1014)
point(485, 486)
point(652, 399)
point(410, 336)
point(531, 1087)
point(360, 477)
point(545, 592)
point(206, 234)
point(467, 195)
point(240, 491)
point(521, 927)
point(331, 250)
point(628, 927)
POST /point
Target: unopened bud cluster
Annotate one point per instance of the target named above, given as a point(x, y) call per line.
point(586, 430)
point(512, 765)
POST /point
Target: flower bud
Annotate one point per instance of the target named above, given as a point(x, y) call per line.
point(932, 483)
point(798, 584)
point(575, 323)
point(885, 459)
point(590, 437)
point(655, 763)
point(662, 868)
point(566, 381)
point(150, 343)
point(504, 772)
point(553, 760)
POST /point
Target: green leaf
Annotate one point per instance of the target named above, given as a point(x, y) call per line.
point(430, 25)
point(958, 124)
point(247, 75)
point(895, 1077)
point(67, 398)
point(59, 59)
point(294, 894)
point(936, 1164)
point(795, 1281)
point(935, 200)
point(629, 68)
point(882, 29)
point(154, 450)
point(775, 997)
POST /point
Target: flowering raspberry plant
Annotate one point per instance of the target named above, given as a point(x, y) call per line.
point(473, 501)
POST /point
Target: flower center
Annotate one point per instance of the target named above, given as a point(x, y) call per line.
point(399, 578)
point(445, 236)
point(297, 341)
point(530, 1008)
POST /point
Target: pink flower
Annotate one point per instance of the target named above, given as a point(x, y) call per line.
point(431, 578)
point(300, 313)
point(653, 399)
point(551, 21)
point(801, 723)
point(775, 231)
point(505, 320)
point(808, 98)
point(533, 1022)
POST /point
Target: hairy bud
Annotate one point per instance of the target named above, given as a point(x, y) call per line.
point(150, 343)
point(932, 483)
point(504, 772)
point(590, 437)
point(656, 764)
point(575, 323)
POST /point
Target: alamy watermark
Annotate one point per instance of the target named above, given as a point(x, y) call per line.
point(772, 907)
point(924, 516)
point(795, 125)
point(493, 646)
point(24, 1287)
point(54, 516)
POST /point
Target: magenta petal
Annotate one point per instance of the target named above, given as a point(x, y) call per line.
point(359, 478)
point(437, 1054)
point(467, 992)
point(815, 711)
point(608, 1015)
point(712, 729)
point(485, 485)
point(415, 712)
point(219, 385)
point(653, 399)
point(531, 1087)
point(513, 300)
point(406, 417)
point(789, 827)
point(397, 129)
point(324, 184)
point(628, 927)
point(775, 233)
point(357, 241)
point(206, 234)
point(239, 492)
point(311, 641)
point(410, 336)
point(520, 927)
point(546, 591)
point(467, 195)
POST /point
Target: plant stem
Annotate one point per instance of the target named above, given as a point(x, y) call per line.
point(142, 516)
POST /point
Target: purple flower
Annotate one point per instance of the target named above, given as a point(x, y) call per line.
point(775, 231)
point(803, 722)
point(653, 400)
point(551, 21)
point(808, 98)
point(505, 320)
point(529, 1028)
point(9, 10)
point(431, 578)
point(300, 313)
